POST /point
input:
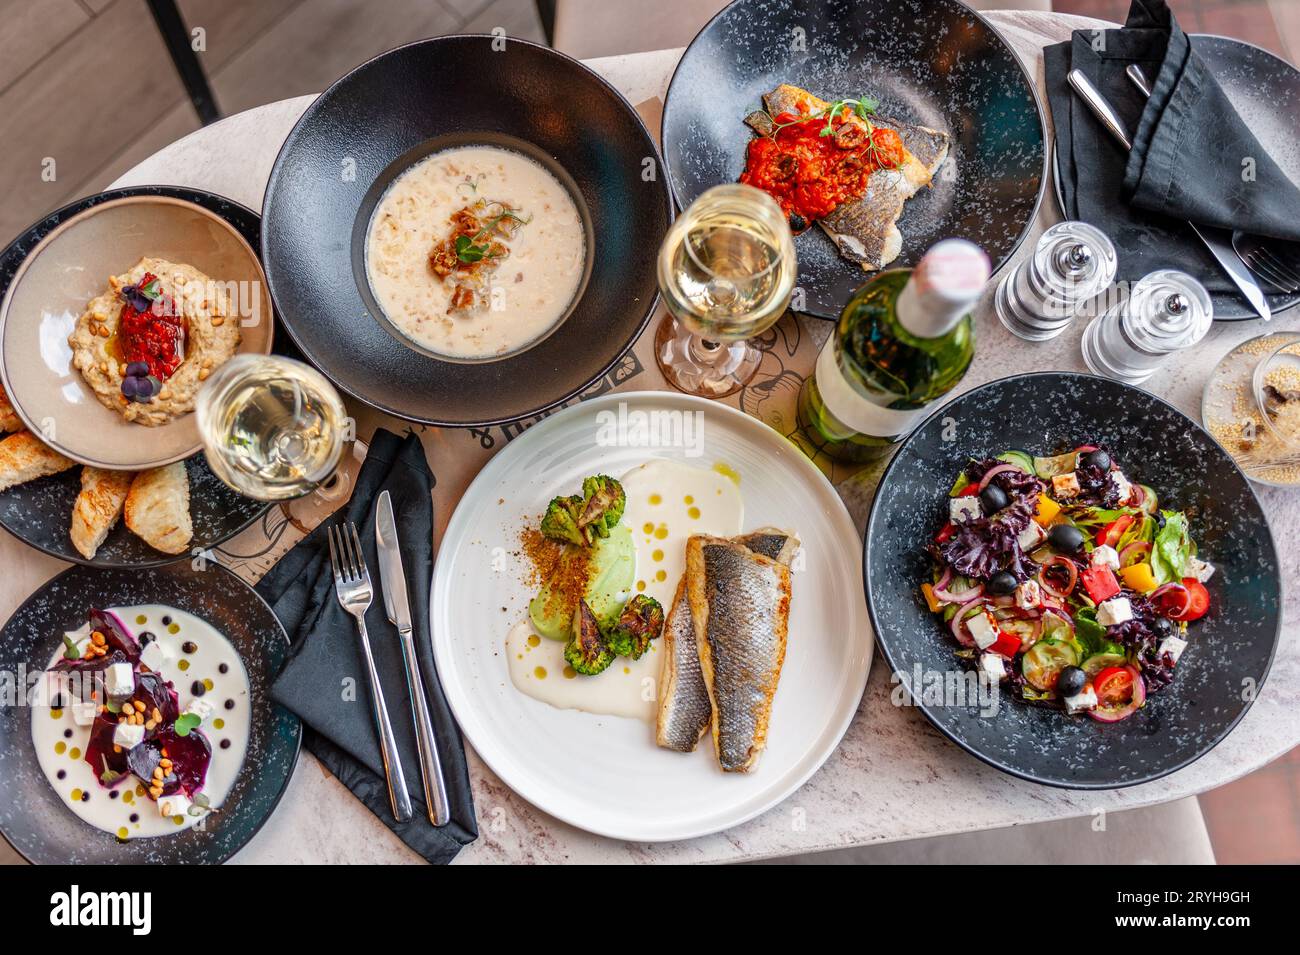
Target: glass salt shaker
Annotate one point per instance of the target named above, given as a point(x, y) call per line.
point(1166, 312)
point(1072, 262)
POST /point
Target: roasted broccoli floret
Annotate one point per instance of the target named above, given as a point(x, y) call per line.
point(587, 652)
point(641, 621)
point(561, 520)
point(602, 508)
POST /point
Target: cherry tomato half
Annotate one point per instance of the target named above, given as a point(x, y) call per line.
point(1112, 532)
point(1198, 602)
point(1114, 686)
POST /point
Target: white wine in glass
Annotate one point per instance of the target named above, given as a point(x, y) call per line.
point(726, 271)
point(272, 428)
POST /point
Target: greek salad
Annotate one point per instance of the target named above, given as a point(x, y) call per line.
point(1066, 582)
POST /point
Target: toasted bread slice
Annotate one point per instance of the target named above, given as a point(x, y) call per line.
point(98, 508)
point(9, 420)
point(25, 457)
point(158, 508)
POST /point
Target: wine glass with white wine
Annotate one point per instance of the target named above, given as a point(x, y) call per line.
point(273, 428)
point(726, 271)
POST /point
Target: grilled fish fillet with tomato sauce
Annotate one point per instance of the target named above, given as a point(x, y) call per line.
point(740, 605)
point(861, 219)
point(685, 711)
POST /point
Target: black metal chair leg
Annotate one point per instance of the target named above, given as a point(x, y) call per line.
point(177, 38)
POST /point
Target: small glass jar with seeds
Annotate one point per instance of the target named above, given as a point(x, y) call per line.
point(1251, 406)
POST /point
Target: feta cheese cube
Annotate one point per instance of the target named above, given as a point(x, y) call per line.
point(177, 804)
point(85, 713)
point(119, 680)
point(1105, 556)
point(1113, 612)
point(199, 707)
point(991, 666)
point(128, 735)
point(1031, 536)
point(1065, 485)
point(1123, 489)
point(1202, 570)
point(983, 628)
point(963, 509)
point(155, 657)
point(1174, 646)
point(1085, 699)
point(1029, 595)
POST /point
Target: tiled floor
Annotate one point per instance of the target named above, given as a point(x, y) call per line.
point(85, 84)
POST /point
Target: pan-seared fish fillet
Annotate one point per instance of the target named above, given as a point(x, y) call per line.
point(9, 420)
point(158, 508)
point(684, 708)
point(740, 603)
point(98, 507)
point(25, 457)
point(866, 230)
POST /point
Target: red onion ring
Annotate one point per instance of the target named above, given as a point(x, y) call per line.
point(1055, 592)
point(941, 593)
point(1062, 615)
point(1137, 496)
point(994, 471)
point(958, 619)
point(1133, 547)
point(1170, 588)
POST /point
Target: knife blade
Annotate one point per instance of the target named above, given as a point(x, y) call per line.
point(392, 577)
point(1213, 239)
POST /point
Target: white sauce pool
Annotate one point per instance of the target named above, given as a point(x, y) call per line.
point(667, 502)
point(532, 288)
point(57, 752)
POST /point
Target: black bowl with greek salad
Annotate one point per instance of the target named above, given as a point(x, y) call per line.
point(1072, 580)
point(1065, 582)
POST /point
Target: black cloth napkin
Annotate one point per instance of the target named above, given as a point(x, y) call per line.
point(324, 680)
point(1190, 150)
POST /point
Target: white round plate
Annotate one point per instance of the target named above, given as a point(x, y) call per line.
point(602, 773)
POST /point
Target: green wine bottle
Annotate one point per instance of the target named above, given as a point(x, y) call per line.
point(903, 340)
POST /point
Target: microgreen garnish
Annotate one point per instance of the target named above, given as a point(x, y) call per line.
point(142, 295)
point(71, 650)
point(108, 776)
point(468, 252)
point(467, 249)
point(187, 722)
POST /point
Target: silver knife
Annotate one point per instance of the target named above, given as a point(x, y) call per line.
point(1218, 241)
point(398, 606)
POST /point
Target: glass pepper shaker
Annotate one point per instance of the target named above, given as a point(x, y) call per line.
point(1165, 312)
point(1072, 262)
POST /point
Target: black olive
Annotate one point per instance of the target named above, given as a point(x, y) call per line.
point(197, 688)
point(1002, 583)
point(993, 499)
point(1071, 681)
point(1098, 459)
point(798, 223)
point(1163, 626)
point(1066, 537)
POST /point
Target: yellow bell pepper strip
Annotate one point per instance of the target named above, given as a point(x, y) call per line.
point(931, 600)
point(1139, 577)
point(1046, 510)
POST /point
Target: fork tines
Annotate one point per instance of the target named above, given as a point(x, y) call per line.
point(345, 552)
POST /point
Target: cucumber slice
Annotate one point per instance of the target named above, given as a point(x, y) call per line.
point(1099, 661)
point(1021, 459)
point(1058, 464)
point(1044, 661)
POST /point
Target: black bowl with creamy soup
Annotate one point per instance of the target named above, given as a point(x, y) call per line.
point(214, 630)
point(403, 301)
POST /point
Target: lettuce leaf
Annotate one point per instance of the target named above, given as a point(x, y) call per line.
point(1172, 549)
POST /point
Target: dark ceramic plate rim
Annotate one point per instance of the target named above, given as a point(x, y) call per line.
point(651, 306)
point(1044, 176)
point(883, 642)
point(35, 232)
point(1277, 302)
point(297, 745)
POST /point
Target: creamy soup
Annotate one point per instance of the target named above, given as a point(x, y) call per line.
point(667, 502)
point(475, 287)
point(194, 652)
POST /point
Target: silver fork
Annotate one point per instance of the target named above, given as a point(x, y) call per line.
point(352, 585)
point(1266, 263)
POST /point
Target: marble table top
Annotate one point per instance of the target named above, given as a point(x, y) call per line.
point(893, 777)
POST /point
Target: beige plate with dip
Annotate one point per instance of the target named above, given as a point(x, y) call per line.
point(604, 773)
point(68, 268)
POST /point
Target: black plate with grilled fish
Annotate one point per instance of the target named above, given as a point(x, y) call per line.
point(931, 63)
point(1231, 648)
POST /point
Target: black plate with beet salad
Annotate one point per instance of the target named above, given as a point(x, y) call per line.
point(1086, 558)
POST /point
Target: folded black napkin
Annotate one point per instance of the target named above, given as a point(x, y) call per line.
point(324, 680)
point(1193, 157)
